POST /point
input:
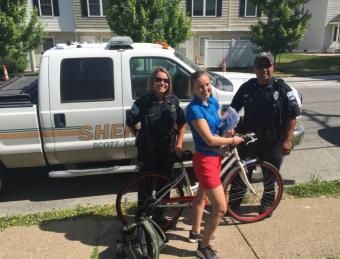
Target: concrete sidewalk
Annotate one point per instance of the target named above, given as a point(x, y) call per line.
point(299, 228)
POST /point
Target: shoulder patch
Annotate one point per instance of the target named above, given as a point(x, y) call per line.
point(291, 95)
point(135, 110)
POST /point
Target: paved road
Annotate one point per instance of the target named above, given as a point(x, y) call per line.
point(318, 156)
point(32, 191)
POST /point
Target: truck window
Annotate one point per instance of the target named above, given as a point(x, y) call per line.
point(141, 68)
point(86, 80)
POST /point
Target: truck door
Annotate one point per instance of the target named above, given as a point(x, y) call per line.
point(86, 107)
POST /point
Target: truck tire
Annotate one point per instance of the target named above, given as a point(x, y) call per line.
point(2, 178)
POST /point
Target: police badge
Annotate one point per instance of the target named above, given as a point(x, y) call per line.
point(276, 95)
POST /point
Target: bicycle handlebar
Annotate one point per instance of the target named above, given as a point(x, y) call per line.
point(249, 138)
point(187, 154)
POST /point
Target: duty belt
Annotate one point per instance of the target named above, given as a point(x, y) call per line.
point(269, 135)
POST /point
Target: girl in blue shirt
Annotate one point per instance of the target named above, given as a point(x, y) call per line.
point(203, 117)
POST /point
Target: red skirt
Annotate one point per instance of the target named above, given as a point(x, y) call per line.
point(207, 169)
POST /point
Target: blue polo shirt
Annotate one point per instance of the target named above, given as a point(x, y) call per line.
point(209, 111)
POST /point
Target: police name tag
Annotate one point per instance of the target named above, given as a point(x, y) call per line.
point(291, 95)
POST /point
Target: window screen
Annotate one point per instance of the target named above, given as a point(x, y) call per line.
point(94, 7)
point(204, 7)
point(198, 8)
point(251, 9)
point(46, 7)
point(210, 8)
point(86, 80)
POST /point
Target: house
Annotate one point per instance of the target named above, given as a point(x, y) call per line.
point(323, 33)
point(218, 20)
point(84, 21)
point(71, 21)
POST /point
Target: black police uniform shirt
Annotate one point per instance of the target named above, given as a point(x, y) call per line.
point(157, 118)
point(265, 107)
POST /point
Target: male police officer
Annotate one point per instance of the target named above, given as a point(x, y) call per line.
point(270, 110)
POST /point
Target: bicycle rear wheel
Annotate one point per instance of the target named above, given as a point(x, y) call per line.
point(138, 196)
point(243, 205)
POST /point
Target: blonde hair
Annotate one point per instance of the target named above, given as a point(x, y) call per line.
point(154, 75)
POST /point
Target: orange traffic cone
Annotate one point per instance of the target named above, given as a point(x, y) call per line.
point(6, 77)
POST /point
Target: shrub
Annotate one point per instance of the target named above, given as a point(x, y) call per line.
point(15, 63)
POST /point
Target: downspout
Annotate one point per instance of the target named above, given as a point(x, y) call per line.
point(337, 37)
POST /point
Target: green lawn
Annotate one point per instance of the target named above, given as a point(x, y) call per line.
point(315, 188)
point(298, 64)
point(294, 64)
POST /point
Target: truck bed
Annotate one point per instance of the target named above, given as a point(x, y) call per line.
point(22, 91)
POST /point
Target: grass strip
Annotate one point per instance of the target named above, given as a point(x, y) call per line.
point(95, 253)
point(300, 64)
point(297, 64)
point(39, 218)
point(315, 188)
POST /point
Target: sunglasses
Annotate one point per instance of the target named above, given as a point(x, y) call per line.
point(159, 80)
point(262, 66)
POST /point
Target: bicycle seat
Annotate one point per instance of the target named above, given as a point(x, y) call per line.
point(186, 156)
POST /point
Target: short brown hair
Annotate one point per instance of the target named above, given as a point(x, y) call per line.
point(153, 76)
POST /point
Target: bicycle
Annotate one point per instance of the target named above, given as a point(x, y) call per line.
point(247, 184)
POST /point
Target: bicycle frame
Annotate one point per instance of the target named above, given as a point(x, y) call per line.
point(167, 188)
point(178, 195)
point(230, 161)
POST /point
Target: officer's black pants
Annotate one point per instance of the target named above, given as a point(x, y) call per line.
point(265, 151)
point(157, 161)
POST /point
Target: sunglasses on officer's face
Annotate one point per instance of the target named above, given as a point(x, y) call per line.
point(159, 79)
point(264, 65)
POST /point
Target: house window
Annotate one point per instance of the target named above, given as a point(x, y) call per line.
point(95, 7)
point(46, 7)
point(204, 7)
point(250, 9)
point(48, 43)
point(86, 80)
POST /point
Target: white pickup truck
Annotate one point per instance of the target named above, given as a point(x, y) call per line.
point(71, 120)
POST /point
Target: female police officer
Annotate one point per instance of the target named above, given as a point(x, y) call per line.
point(162, 126)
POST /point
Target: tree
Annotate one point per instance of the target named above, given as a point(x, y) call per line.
point(149, 20)
point(286, 25)
point(18, 34)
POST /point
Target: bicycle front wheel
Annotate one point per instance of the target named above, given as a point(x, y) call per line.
point(139, 195)
point(243, 204)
